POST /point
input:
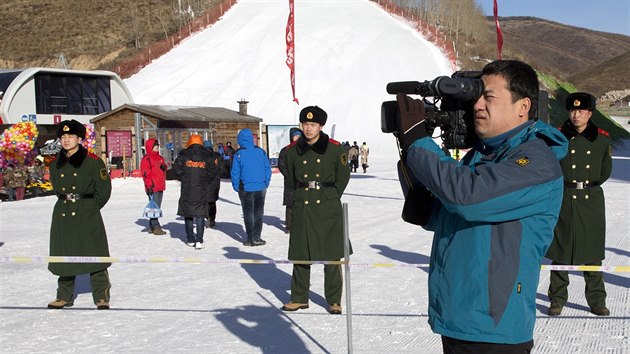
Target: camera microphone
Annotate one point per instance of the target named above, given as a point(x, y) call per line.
point(406, 87)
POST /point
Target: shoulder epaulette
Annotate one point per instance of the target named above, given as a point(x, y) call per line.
point(93, 156)
point(334, 141)
point(293, 143)
point(603, 132)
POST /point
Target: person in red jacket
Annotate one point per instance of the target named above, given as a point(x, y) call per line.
point(153, 168)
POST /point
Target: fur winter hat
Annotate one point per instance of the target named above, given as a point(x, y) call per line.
point(581, 100)
point(71, 127)
point(313, 114)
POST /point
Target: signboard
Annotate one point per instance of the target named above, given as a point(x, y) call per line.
point(118, 142)
point(277, 138)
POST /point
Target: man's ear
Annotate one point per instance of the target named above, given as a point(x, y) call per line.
point(525, 105)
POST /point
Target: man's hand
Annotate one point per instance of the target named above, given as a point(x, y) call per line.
point(150, 191)
point(411, 111)
point(412, 120)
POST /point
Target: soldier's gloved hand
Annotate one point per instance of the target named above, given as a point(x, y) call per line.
point(150, 191)
point(412, 120)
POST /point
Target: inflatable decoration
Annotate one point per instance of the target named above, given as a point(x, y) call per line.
point(17, 144)
point(90, 138)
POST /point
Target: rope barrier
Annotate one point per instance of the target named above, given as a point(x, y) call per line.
point(88, 259)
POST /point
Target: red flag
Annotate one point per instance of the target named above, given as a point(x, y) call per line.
point(290, 36)
point(499, 33)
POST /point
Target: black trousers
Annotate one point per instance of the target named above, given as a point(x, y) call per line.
point(458, 346)
point(212, 211)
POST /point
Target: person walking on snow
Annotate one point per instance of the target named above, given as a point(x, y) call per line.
point(251, 174)
point(364, 152)
point(196, 168)
point(153, 169)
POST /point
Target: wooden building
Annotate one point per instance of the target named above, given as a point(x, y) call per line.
point(117, 140)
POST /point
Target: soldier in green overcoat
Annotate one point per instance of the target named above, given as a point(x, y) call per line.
point(317, 168)
point(82, 185)
point(580, 235)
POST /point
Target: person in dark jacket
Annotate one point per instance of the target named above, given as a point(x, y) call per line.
point(195, 167)
point(251, 174)
point(580, 235)
point(228, 157)
point(213, 188)
point(287, 199)
point(82, 185)
point(317, 167)
point(153, 169)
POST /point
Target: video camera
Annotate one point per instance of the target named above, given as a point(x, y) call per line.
point(455, 95)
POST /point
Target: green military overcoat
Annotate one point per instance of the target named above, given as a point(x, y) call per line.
point(77, 227)
point(580, 235)
point(317, 226)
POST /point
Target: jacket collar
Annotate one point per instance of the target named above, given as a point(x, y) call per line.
point(319, 147)
point(75, 160)
point(590, 132)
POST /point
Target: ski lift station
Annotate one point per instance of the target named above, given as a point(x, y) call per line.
point(47, 96)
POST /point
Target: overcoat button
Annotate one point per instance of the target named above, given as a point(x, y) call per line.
point(588, 152)
point(588, 166)
point(63, 214)
point(573, 151)
point(304, 162)
point(62, 175)
point(75, 174)
point(318, 160)
point(318, 201)
point(574, 197)
point(306, 202)
point(586, 196)
point(305, 175)
point(573, 166)
point(73, 213)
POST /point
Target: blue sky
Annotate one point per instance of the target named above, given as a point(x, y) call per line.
point(600, 15)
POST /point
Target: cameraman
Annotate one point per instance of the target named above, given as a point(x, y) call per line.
point(493, 213)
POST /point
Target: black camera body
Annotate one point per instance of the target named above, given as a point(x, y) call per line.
point(456, 96)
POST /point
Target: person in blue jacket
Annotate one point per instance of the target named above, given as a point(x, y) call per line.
point(492, 214)
point(251, 174)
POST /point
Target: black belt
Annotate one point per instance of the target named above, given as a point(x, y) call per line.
point(74, 196)
point(315, 184)
point(581, 185)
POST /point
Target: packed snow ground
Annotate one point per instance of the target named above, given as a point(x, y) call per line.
point(346, 52)
point(234, 308)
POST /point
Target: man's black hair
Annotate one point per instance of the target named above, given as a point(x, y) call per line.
point(521, 79)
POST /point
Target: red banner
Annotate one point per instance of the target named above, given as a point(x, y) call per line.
point(499, 33)
point(290, 36)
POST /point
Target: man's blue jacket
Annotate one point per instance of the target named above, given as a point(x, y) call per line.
point(493, 215)
point(251, 171)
